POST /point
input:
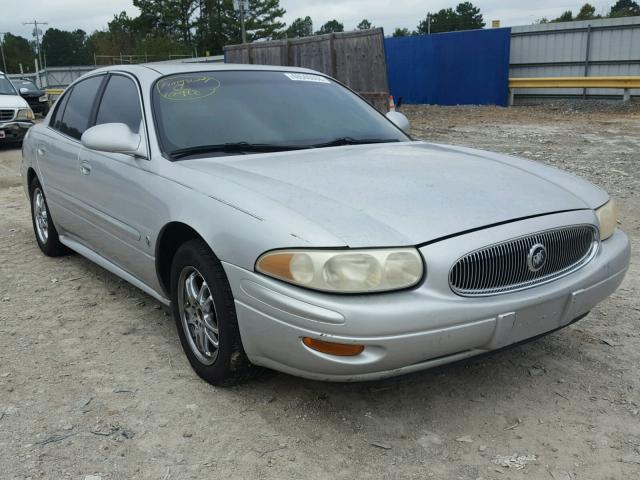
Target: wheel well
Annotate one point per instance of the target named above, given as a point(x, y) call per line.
point(171, 237)
point(31, 174)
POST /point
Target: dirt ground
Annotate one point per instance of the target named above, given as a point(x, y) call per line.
point(93, 381)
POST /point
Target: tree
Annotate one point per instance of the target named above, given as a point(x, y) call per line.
point(443, 21)
point(625, 8)
point(565, 17)
point(63, 48)
point(331, 26)
point(401, 32)
point(300, 27)
point(174, 18)
point(18, 50)
point(469, 17)
point(365, 25)
point(465, 17)
point(587, 12)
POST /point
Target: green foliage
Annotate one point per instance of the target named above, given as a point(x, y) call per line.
point(219, 24)
point(168, 18)
point(625, 8)
point(300, 27)
point(469, 16)
point(365, 25)
point(331, 26)
point(587, 12)
point(262, 20)
point(565, 17)
point(622, 8)
point(63, 48)
point(401, 32)
point(18, 50)
point(465, 17)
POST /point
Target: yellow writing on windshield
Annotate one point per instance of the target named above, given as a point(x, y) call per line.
point(188, 87)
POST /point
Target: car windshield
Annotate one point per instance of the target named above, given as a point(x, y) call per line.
point(234, 112)
point(6, 88)
point(24, 84)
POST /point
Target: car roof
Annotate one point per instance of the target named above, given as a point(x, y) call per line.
point(161, 69)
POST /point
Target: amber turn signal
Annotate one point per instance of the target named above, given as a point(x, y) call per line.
point(331, 348)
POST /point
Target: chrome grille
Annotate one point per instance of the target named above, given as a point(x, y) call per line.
point(6, 115)
point(504, 267)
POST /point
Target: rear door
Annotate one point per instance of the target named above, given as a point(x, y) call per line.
point(57, 155)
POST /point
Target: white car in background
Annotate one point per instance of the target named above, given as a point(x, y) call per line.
point(16, 117)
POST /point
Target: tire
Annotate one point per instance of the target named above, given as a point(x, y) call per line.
point(43, 227)
point(204, 312)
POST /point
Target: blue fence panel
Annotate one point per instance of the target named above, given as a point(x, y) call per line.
point(458, 68)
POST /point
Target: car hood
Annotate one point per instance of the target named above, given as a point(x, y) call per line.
point(12, 101)
point(401, 194)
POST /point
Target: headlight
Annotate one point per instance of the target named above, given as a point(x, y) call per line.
point(608, 219)
point(24, 114)
point(345, 271)
point(44, 98)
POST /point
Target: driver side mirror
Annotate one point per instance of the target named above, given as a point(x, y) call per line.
point(399, 121)
point(114, 138)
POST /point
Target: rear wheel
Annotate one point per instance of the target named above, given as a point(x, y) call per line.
point(43, 227)
point(205, 316)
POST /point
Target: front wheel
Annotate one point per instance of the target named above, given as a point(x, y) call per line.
point(205, 316)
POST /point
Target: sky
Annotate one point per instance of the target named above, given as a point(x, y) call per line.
point(94, 15)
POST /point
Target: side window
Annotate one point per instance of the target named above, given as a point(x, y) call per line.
point(120, 103)
point(77, 114)
point(59, 110)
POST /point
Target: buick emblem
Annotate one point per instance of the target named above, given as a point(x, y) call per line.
point(537, 257)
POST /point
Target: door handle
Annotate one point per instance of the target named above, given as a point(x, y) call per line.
point(85, 168)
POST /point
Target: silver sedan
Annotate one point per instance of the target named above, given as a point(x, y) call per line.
point(287, 224)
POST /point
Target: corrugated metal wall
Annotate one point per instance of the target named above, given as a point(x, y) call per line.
point(585, 48)
point(456, 68)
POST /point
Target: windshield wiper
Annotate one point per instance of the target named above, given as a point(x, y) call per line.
point(239, 147)
point(353, 141)
point(245, 147)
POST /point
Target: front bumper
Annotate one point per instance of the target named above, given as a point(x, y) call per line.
point(14, 131)
point(423, 327)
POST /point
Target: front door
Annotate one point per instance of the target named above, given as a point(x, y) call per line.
point(117, 190)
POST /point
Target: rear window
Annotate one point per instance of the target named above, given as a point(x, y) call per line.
point(59, 110)
point(24, 84)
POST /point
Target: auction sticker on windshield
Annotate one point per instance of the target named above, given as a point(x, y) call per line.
point(187, 87)
point(306, 77)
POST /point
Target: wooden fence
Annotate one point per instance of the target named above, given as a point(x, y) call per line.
point(356, 59)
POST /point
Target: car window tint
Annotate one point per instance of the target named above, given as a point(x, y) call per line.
point(59, 110)
point(77, 114)
point(120, 103)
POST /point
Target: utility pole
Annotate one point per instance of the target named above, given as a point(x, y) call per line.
point(4, 61)
point(244, 32)
point(241, 6)
point(428, 24)
point(36, 33)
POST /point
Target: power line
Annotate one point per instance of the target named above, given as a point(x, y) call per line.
point(36, 33)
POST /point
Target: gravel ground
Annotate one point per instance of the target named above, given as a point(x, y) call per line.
point(93, 381)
